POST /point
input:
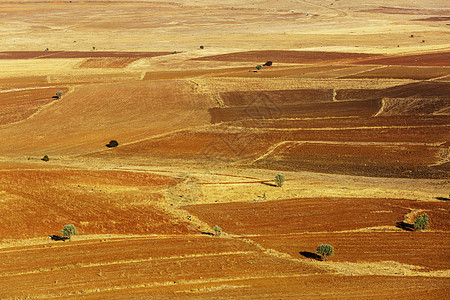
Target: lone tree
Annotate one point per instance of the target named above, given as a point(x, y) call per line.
point(279, 180)
point(45, 158)
point(112, 144)
point(421, 222)
point(268, 63)
point(217, 230)
point(69, 230)
point(325, 250)
point(59, 94)
point(258, 67)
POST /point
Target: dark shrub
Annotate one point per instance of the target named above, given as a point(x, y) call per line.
point(112, 144)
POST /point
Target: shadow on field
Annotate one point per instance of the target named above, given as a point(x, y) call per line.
point(442, 198)
point(310, 255)
point(208, 233)
point(269, 184)
point(405, 226)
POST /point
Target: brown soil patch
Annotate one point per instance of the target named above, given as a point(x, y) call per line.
point(18, 105)
point(413, 248)
point(434, 19)
point(247, 98)
point(410, 161)
point(346, 122)
point(408, 11)
point(94, 201)
point(99, 113)
point(132, 263)
point(295, 287)
point(279, 56)
point(416, 73)
point(21, 82)
point(414, 106)
point(427, 59)
point(75, 54)
point(315, 215)
point(263, 108)
point(120, 62)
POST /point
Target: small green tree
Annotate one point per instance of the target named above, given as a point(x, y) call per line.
point(69, 230)
point(421, 222)
point(279, 180)
point(217, 230)
point(325, 250)
point(59, 94)
point(258, 67)
point(45, 158)
point(112, 144)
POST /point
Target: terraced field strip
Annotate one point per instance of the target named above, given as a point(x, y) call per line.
point(75, 54)
point(300, 215)
point(113, 273)
point(403, 247)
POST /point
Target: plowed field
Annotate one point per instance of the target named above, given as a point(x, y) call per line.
point(299, 57)
point(16, 106)
point(315, 215)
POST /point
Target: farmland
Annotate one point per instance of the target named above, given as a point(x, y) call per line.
point(353, 109)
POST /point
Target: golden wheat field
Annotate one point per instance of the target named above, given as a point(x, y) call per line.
point(208, 101)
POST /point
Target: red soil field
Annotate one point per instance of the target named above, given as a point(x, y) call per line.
point(21, 82)
point(345, 122)
point(120, 62)
point(412, 248)
point(75, 54)
point(410, 161)
point(426, 59)
point(403, 72)
point(308, 215)
point(101, 112)
point(246, 98)
point(266, 108)
point(19, 105)
point(94, 201)
point(123, 264)
point(280, 56)
point(298, 287)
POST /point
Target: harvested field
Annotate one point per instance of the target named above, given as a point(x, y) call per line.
point(17, 106)
point(404, 72)
point(405, 160)
point(426, 59)
point(125, 264)
point(414, 106)
point(316, 215)
point(266, 108)
point(124, 112)
point(120, 62)
point(397, 287)
point(364, 247)
point(22, 82)
point(75, 54)
point(246, 98)
point(345, 122)
point(279, 56)
point(354, 112)
point(94, 201)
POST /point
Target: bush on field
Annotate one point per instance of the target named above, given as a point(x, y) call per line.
point(112, 144)
point(45, 158)
point(217, 230)
point(325, 250)
point(279, 180)
point(421, 222)
point(69, 230)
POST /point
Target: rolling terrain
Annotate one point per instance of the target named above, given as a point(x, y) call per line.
point(354, 113)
